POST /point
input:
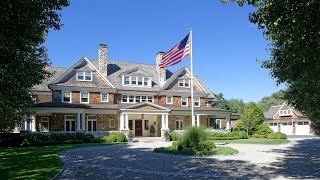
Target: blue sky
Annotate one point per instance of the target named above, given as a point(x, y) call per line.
point(225, 44)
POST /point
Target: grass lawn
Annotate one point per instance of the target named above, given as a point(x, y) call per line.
point(254, 141)
point(217, 151)
point(33, 162)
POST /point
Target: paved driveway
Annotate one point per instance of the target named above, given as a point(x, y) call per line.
point(299, 160)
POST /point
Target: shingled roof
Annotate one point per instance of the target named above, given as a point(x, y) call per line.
point(56, 72)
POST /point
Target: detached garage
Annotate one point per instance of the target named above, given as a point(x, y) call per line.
point(283, 118)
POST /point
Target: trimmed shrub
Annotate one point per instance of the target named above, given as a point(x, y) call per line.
point(228, 135)
point(205, 146)
point(177, 145)
point(277, 135)
point(256, 135)
point(174, 136)
point(263, 129)
point(224, 138)
point(121, 137)
point(193, 136)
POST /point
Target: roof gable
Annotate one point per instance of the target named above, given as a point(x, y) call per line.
point(136, 71)
point(69, 76)
point(185, 73)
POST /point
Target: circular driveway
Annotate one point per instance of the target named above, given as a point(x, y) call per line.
point(299, 160)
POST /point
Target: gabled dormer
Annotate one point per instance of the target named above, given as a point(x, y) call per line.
point(136, 77)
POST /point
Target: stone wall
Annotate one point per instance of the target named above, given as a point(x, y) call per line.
point(103, 122)
point(56, 122)
point(185, 123)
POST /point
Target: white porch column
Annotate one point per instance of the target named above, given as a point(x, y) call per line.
point(167, 121)
point(24, 125)
point(33, 123)
point(78, 121)
point(228, 117)
point(193, 121)
point(83, 121)
point(121, 122)
point(198, 120)
point(127, 121)
point(162, 122)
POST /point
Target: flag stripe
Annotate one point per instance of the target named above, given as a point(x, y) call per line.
point(176, 54)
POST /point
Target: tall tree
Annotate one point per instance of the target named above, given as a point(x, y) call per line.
point(24, 25)
point(276, 98)
point(293, 30)
point(251, 117)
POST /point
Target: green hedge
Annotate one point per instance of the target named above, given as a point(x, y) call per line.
point(114, 137)
point(40, 139)
point(227, 135)
point(277, 135)
point(175, 136)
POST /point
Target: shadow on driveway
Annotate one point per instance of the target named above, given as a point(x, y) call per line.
point(300, 161)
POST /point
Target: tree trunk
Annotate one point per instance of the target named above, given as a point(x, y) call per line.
point(247, 132)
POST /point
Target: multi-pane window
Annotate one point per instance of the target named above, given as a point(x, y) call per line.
point(84, 76)
point(126, 80)
point(179, 123)
point(104, 97)
point(136, 99)
point(66, 96)
point(197, 102)
point(147, 81)
point(84, 97)
point(169, 100)
point(70, 123)
point(92, 123)
point(146, 124)
point(287, 123)
point(140, 81)
point(44, 124)
point(273, 124)
point(133, 80)
point(303, 122)
point(137, 81)
point(184, 101)
point(184, 82)
point(131, 98)
point(285, 112)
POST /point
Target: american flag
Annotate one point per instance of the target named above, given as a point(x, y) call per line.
point(176, 54)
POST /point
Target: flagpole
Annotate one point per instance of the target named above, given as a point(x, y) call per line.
point(191, 69)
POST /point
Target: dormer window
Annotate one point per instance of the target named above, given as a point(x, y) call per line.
point(84, 75)
point(136, 81)
point(286, 112)
point(184, 82)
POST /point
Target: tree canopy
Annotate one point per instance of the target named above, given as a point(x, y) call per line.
point(235, 105)
point(24, 26)
point(276, 98)
point(293, 29)
point(251, 117)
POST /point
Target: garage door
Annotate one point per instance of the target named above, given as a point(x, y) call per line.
point(274, 126)
point(286, 127)
point(302, 128)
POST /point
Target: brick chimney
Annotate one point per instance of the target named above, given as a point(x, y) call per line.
point(160, 71)
point(103, 51)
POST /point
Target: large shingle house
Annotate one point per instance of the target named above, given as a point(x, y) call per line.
point(102, 95)
point(284, 118)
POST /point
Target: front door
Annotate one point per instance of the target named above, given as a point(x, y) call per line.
point(138, 127)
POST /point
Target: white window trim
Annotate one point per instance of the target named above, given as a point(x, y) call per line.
point(137, 79)
point(93, 119)
point(62, 96)
point(65, 119)
point(171, 100)
point(187, 101)
point(84, 75)
point(286, 112)
point(81, 98)
point(107, 97)
point(194, 101)
point(134, 98)
point(184, 82)
point(45, 119)
point(180, 122)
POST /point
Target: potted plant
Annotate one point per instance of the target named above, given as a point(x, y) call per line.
point(167, 136)
point(152, 131)
point(130, 137)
